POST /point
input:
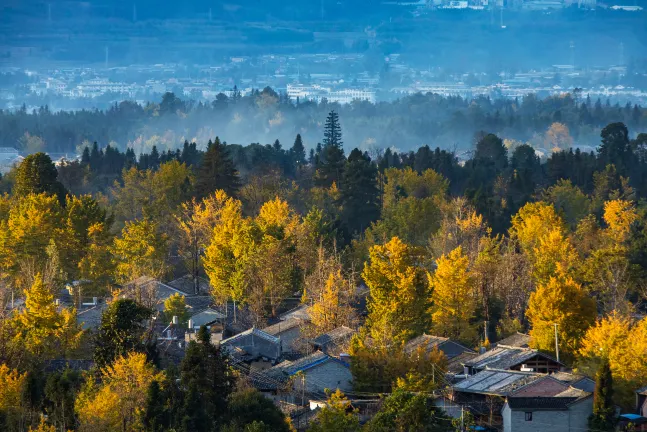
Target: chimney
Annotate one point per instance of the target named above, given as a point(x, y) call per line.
point(94, 301)
point(190, 324)
point(345, 357)
point(175, 320)
point(57, 302)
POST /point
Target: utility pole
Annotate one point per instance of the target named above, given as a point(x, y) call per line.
point(462, 420)
point(556, 342)
point(485, 337)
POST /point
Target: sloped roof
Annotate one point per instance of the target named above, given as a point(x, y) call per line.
point(517, 340)
point(185, 284)
point(254, 332)
point(283, 326)
point(334, 336)
point(642, 391)
point(289, 368)
point(573, 392)
point(496, 382)
point(302, 312)
point(505, 358)
point(456, 364)
point(429, 342)
point(540, 403)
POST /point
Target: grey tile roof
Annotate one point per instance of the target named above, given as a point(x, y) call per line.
point(282, 326)
point(580, 382)
point(428, 342)
point(302, 312)
point(504, 358)
point(455, 365)
point(185, 284)
point(540, 403)
point(496, 382)
point(518, 340)
point(642, 391)
point(334, 336)
point(253, 332)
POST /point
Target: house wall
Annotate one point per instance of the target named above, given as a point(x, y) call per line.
point(573, 420)
point(331, 375)
point(542, 421)
point(642, 406)
point(579, 414)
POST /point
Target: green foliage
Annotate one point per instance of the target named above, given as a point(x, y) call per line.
point(249, 410)
point(404, 411)
point(337, 415)
point(37, 174)
point(122, 330)
point(217, 171)
point(604, 414)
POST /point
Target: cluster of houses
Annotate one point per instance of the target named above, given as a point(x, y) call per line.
point(509, 387)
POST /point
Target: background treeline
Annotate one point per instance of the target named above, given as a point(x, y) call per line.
point(474, 251)
point(264, 116)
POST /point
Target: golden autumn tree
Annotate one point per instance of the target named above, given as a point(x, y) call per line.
point(454, 298)
point(333, 308)
point(533, 222)
point(623, 342)
point(41, 328)
point(195, 223)
point(117, 403)
point(399, 293)
point(230, 251)
point(553, 253)
point(619, 215)
point(563, 302)
point(12, 386)
point(140, 251)
point(97, 266)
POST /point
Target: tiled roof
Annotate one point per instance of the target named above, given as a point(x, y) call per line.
point(428, 342)
point(642, 391)
point(540, 403)
point(456, 364)
point(518, 340)
point(185, 284)
point(334, 336)
point(573, 392)
point(283, 326)
point(504, 358)
point(254, 332)
point(496, 382)
point(302, 312)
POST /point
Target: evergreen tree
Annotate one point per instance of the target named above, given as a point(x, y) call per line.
point(603, 417)
point(359, 195)
point(217, 171)
point(205, 373)
point(154, 413)
point(121, 331)
point(37, 174)
point(331, 160)
point(297, 154)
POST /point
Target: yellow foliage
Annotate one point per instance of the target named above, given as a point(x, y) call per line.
point(41, 328)
point(12, 385)
point(453, 296)
point(560, 301)
point(554, 255)
point(619, 215)
point(624, 344)
point(399, 292)
point(275, 213)
point(332, 309)
point(43, 427)
point(117, 403)
point(140, 251)
point(533, 222)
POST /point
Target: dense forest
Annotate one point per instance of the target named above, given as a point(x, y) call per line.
point(474, 250)
point(264, 116)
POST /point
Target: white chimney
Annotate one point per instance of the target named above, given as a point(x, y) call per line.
point(94, 301)
point(175, 320)
point(190, 324)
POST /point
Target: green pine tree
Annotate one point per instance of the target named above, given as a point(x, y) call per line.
point(603, 418)
point(331, 160)
point(359, 194)
point(217, 171)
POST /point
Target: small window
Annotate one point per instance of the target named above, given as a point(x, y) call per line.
point(528, 416)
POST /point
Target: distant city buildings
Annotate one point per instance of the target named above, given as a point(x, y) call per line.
point(318, 94)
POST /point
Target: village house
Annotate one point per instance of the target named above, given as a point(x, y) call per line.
point(290, 333)
point(428, 343)
point(335, 341)
point(555, 414)
point(513, 358)
point(313, 374)
point(253, 344)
